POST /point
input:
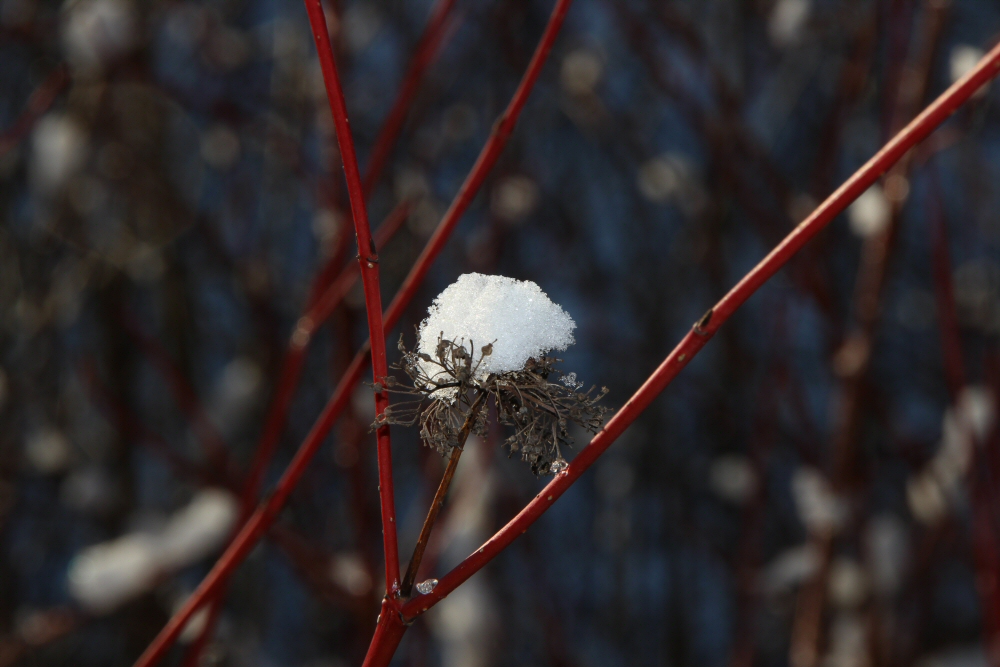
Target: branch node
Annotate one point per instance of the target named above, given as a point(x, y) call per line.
point(700, 327)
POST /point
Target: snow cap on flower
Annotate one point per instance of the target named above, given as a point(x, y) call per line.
point(516, 316)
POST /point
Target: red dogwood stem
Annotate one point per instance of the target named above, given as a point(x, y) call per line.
point(922, 125)
point(368, 262)
point(265, 514)
point(480, 170)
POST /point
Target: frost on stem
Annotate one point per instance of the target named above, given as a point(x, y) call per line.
point(448, 374)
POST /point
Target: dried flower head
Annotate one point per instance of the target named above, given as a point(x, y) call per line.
point(451, 381)
point(445, 392)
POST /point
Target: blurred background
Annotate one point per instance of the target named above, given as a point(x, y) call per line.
point(818, 489)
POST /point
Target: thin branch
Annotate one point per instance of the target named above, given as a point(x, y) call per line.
point(368, 261)
point(702, 332)
point(439, 495)
point(268, 510)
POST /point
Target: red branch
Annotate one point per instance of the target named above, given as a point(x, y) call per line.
point(264, 516)
point(390, 628)
point(368, 261)
point(917, 130)
point(484, 163)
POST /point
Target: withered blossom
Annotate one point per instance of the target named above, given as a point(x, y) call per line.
point(445, 393)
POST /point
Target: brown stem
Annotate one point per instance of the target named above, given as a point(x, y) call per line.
point(438, 502)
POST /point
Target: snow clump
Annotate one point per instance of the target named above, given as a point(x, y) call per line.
point(516, 316)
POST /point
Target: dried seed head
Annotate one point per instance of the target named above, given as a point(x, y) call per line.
point(445, 387)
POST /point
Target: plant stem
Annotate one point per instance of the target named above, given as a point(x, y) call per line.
point(388, 633)
point(368, 262)
point(439, 495)
point(702, 332)
point(480, 170)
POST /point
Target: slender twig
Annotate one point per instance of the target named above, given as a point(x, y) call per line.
point(298, 344)
point(695, 340)
point(439, 495)
point(368, 261)
point(388, 631)
point(808, 623)
point(265, 514)
point(981, 484)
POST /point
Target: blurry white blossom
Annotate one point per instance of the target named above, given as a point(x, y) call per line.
point(58, 152)
point(869, 214)
point(733, 478)
point(234, 394)
point(348, 571)
point(819, 509)
point(198, 529)
point(97, 32)
point(848, 584)
point(887, 549)
point(671, 178)
point(105, 576)
point(514, 198)
point(848, 645)
point(465, 622)
point(581, 71)
point(932, 490)
point(788, 569)
point(786, 24)
point(89, 490)
point(962, 59)
point(195, 625)
point(47, 450)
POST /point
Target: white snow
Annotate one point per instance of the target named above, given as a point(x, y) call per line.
point(515, 316)
point(104, 576)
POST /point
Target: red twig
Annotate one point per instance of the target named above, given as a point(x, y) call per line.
point(692, 343)
point(291, 371)
point(390, 627)
point(291, 368)
point(368, 261)
point(984, 538)
point(265, 514)
point(484, 163)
